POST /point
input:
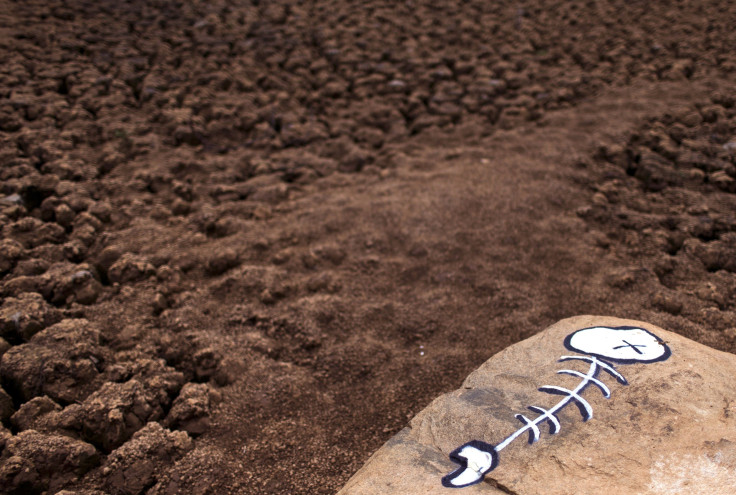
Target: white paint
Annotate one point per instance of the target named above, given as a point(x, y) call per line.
point(618, 344)
point(570, 395)
point(479, 462)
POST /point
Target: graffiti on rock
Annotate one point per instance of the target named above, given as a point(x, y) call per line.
point(602, 347)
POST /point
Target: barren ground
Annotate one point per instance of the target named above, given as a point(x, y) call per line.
point(243, 242)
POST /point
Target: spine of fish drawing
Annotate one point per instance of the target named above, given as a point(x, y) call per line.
point(478, 458)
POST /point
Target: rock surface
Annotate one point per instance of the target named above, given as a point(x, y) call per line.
point(672, 429)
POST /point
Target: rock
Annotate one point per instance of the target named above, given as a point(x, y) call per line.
point(331, 252)
point(134, 466)
point(48, 207)
point(670, 429)
point(36, 462)
point(690, 119)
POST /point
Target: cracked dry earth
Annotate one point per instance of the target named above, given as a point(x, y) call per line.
point(243, 242)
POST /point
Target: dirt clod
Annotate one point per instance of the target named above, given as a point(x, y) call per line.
point(220, 262)
point(62, 361)
point(130, 268)
point(191, 409)
point(114, 412)
point(35, 462)
point(30, 414)
point(134, 466)
point(6, 406)
point(23, 316)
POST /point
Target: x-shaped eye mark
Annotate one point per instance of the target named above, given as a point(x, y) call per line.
point(633, 346)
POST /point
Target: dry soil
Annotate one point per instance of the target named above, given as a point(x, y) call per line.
point(243, 242)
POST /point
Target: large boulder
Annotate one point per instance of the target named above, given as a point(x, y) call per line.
point(656, 414)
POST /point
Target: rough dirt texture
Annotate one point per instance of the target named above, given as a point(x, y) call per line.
point(284, 227)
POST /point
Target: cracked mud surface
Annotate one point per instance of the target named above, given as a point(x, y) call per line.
point(243, 242)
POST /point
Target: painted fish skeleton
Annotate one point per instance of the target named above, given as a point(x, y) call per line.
point(602, 347)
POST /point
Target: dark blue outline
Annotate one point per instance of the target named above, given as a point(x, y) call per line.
point(600, 361)
point(588, 359)
point(578, 401)
point(534, 432)
point(663, 357)
point(485, 447)
point(553, 428)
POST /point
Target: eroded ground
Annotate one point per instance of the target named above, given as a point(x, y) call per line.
point(244, 242)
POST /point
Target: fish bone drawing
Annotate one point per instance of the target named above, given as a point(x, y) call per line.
point(602, 346)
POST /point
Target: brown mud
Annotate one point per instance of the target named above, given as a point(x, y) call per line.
point(243, 242)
